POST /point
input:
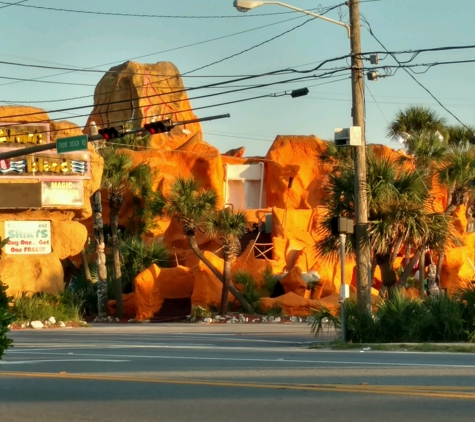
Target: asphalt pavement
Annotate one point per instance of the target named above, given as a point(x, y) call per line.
point(239, 372)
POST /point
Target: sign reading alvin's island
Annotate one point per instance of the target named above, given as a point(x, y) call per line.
point(62, 193)
point(28, 237)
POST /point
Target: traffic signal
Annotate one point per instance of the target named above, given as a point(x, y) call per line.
point(159, 127)
point(109, 133)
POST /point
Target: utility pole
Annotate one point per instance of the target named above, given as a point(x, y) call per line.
point(363, 252)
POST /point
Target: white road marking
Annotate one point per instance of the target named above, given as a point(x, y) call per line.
point(278, 360)
point(23, 362)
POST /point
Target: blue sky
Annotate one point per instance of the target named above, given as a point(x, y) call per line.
point(46, 37)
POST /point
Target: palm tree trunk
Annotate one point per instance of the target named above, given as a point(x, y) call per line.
point(102, 310)
point(407, 258)
point(409, 267)
point(239, 297)
point(223, 310)
point(422, 270)
point(114, 223)
point(396, 250)
point(388, 275)
point(87, 271)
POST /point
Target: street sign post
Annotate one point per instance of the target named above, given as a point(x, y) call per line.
point(73, 143)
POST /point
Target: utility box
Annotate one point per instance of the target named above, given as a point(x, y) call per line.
point(341, 225)
point(348, 137)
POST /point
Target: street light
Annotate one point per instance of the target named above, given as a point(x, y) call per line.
point(246, 5)
point(363, 252)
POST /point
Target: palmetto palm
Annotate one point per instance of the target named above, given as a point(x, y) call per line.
point(460, 137)
point(229, 226)
point(456, 173)
point(396, 210)
point(427, 149)
point(119, 176)
point(415, 120)
point(190, 205)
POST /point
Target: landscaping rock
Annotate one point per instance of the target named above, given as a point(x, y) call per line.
point(62, 324)
point(271, 319)
point(208, 320)
point(51, 320)
point(277, 319)
point(264, 319)
point(294, 319)
point(37, 325)
point(242, 318)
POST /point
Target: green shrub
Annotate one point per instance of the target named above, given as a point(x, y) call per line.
point(137, 256)
point(270, 280)
point(400, 319)
point(66, 306)
point(199, 312)
point(6, 318)
point(250, 291)
point(275, 311)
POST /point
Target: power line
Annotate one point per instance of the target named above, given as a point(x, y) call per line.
point(412, 76)
point(137, 15)
point(13, 4)
point(156, 115)
point(189, 89)
point(164, 51)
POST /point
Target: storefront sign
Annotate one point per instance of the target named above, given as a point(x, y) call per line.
point(62, 194)
point(28, 237)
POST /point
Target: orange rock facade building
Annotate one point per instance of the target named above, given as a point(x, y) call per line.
point(281, 193)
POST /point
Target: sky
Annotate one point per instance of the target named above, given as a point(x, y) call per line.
point(197, 33)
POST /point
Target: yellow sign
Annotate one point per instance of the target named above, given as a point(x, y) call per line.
point(30, 134)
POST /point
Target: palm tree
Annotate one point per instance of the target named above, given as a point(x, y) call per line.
point(119, 176)
point(460, 137)
point(416, 120)
point(229, 226)
point(190, 205)
point(396, 210)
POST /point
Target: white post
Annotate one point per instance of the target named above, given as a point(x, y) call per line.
point(343, 285)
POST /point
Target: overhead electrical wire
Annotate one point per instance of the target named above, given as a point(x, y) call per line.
point(277, 72)
point(13, 4)
point(149, 16)
point(412, 76)
point(328, 74)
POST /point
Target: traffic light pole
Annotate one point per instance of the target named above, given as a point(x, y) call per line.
point(20, 152)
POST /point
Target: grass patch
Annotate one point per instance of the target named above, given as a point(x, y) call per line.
point(65, 306)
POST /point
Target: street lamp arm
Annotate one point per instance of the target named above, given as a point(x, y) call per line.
point(315, 15)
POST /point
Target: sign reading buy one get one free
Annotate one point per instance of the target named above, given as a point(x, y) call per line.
point(28, 237)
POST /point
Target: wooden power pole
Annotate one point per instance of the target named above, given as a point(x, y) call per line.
point(363, 252)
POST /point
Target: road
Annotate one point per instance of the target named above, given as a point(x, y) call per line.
point(216, 373)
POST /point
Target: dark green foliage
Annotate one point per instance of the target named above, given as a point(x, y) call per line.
point(251, 292)
point(6, 318)
point(270, 280)
point(137, 256)
point(399, 319)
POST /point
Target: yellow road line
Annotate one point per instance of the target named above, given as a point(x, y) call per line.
point(448, 392)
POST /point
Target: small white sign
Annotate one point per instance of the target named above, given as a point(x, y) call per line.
point(344, 291)
point(28, 237)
